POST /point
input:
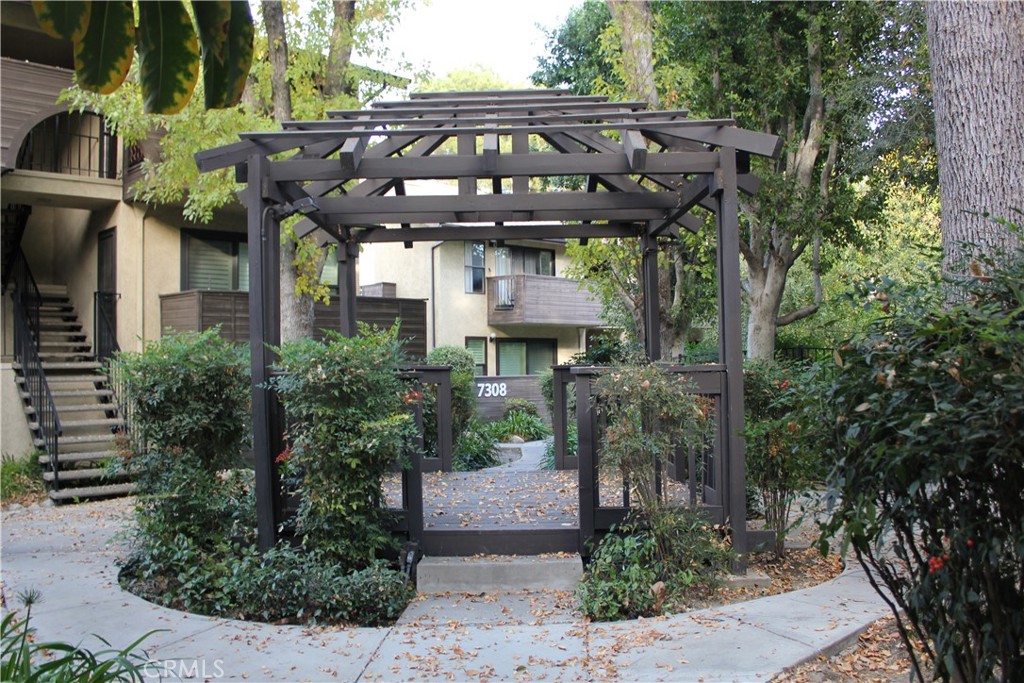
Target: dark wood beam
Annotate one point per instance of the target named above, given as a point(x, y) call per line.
point(551, 206)
point(537, 164)
point(351, 152)
point(761, 144)
point(635, 148)
point(497, 232)
point(617, 183)
point(702, 128)
point(485, 115)
point(691, 194)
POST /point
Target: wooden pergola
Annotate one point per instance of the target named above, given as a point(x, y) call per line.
point(645, 173)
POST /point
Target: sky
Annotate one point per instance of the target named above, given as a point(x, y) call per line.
point(501, 35)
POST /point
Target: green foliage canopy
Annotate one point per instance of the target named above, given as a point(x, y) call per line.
point(105, 37)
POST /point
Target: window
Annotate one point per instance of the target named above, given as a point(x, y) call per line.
point(525, 356)
point(478, 347)
point(524, 261)
point(218, 261)
point(474, 267)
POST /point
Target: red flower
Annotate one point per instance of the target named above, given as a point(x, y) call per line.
point(935, 564)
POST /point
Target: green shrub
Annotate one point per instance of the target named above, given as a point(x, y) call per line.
point(619, 582)
point(463, 368)
point(527, 427)
point(926, 415)
point(21, 479)
point(348, 426)
point(519, 405)
point(475, 448)
point(572, 441)
point(189, 395)
point(674, 546)
point(376, 595)
point(283, 585)
point(26, 660)
point(782, 462)
point(648, 412)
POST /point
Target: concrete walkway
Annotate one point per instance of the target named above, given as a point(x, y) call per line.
point(69, 553)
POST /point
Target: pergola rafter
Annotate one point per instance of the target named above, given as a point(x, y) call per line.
point(645, 173)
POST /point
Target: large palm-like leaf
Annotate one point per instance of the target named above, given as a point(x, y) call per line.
point(104, 54)
point(226, 31)
point(168, 56)
point(63, 20)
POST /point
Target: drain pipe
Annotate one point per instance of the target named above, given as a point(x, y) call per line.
point(433, 299)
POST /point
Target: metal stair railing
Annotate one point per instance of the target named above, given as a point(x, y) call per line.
point(104, 336)
point(26, 302)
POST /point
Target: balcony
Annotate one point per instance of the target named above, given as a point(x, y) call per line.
point(540, 300)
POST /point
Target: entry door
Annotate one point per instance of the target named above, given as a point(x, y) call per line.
point(105, 302)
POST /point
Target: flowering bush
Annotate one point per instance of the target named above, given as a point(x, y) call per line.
point(781, 463)
point(348, 426)
point(926, 414)
point(648, 413)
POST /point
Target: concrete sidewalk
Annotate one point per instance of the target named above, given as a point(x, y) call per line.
point(68, 554)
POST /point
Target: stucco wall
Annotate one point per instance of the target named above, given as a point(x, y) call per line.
point(458, 314)
point(15, 438)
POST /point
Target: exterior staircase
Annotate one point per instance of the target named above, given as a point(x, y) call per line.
point(88, 415)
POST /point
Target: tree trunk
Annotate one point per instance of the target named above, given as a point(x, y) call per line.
point(340, 54)
point(277, 46)
point(773, 249)
point(976, 51)
point(296, 311)
point(637, 24)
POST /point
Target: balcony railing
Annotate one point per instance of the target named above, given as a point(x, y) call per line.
point(540, 300)
point(71, 143)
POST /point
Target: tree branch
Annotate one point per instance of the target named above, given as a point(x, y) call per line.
point(805, 312)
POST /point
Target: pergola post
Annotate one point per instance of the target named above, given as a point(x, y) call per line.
point(264, 331)
point(348, 287)
point(730, 346)
point(652, 300)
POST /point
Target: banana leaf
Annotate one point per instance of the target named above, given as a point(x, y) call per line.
point(104, 54)
point(63, 20)
point(168, 56)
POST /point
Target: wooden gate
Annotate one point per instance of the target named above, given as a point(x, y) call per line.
point(693, 477)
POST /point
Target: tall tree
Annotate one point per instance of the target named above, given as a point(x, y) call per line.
point(812, 73)
point(977, 61)
point(277, 50)
point(636, 24)
point(339, 80)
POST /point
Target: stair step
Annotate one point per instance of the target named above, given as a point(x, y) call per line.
point(87, 407)
point(54, 326)
point(77, 365)
point(67, 458)
point(67, 379)
point(57, 393)
point(86, 492)
point(74, 440)
point(497, 573)
point(59, 357)
point(98, 422)
point(78, 475)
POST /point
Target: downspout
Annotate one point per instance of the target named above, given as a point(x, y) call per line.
point(142, 276)
point(433, 299)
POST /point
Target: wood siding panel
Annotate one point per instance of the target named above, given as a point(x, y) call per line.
point(28, 89)
point(492, 408)
point(200, 310)
point(542, 300)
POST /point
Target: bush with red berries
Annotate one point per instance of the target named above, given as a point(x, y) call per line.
point(926, 417)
